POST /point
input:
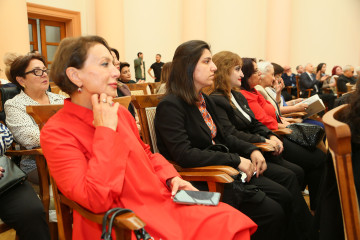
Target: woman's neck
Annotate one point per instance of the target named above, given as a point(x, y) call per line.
point(81, 99)
point(39, 96)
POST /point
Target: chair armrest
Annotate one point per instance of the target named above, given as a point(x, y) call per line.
point(226, 169)
point(35, 151)
point(294, 114)
point(215, 176)
point(282, 131)
point(126, 220)
point(265, 147)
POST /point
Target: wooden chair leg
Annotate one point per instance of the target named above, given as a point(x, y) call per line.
point(216, 187)
point(53, 231)
point(122, 233)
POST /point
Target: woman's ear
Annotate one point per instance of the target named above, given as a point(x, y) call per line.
point(21, 81)
point(73, 74)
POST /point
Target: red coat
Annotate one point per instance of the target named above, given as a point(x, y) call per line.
point(100, 169)
point(263, 109)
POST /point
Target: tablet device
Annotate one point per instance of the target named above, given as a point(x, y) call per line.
point(197, 198)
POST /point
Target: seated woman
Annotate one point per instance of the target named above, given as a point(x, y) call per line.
point(329, 81)
point(189, 133)
point(20, 207)
point(104, 164)
point(125, 74)
point(271, 85)
point(352, 117)
point(312, 162)
point(165, 72)
point(28, 73)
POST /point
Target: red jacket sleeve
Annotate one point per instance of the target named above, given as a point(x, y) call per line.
point(259, 107)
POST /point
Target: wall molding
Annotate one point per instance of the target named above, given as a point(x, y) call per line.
point(71, 18)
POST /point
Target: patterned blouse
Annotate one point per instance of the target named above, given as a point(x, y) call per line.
point(23, 127)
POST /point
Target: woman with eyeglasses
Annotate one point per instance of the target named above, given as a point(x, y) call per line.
point(30, 75)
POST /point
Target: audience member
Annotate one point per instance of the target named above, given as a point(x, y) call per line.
point(299, 69)
point(156, 67)
point(289, 81)
point(311, 161)
point(139, 66)
point(116, 56)
point(352, 117)
point(308, 81)
point(125, 74)
point(346, 77)
point(30, 75)
point(193, 136)
point(89, 130)
point(165, 73)
point(20, 207)
point(357, 70)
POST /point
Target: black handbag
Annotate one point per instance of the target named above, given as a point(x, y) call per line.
point(12, 176)
point(106, 234)
point(238, 192)
point(306, 135)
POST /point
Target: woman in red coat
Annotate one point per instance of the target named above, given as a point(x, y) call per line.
point(98, 160)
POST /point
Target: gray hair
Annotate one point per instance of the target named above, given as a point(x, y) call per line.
point(264, 67)
point(347, 68)
point(357, 69)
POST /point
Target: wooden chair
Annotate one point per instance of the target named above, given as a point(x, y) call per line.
point(298, 87)
point(124, 224)
point(55, 89)
point(139, 88)
point(339, 93)
point(146, 107)
point(339, 139)
point(153, 86)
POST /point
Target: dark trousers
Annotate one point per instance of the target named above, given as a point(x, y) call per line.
point(21, 209)
point(299, 221)
point(328, 99)
point(313, 164)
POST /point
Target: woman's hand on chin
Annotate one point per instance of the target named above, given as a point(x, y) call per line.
point(105, 111)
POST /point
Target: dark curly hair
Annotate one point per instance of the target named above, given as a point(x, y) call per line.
point(248, 69)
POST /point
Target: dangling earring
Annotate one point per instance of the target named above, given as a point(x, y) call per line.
point(79, 90)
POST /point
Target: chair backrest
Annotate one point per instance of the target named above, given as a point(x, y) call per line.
point(146, 107)
point(6, 93)
point(139, 88)
point(153, 86)
point(339, 139)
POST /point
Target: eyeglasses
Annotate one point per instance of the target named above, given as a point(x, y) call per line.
point(38, 72)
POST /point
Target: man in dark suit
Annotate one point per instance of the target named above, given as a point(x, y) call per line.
point(308, 81)
point(346, 77)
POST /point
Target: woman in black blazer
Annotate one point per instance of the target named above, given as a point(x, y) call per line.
point(186, 126)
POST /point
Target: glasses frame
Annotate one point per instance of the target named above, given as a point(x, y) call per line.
point(37, 70)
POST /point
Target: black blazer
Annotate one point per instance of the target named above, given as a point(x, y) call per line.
point(306, 82)
point(183, 136)
point(234, 122)
point(342, 81)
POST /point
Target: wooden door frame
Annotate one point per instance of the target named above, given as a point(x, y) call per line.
point(34, 34)
point(70, 18)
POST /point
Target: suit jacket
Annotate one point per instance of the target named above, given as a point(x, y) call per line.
point(305, 82)
point(234, 122)
point(183, 136)
point(342, 81)
point(137, 66)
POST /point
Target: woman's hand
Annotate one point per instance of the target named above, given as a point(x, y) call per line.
point(259, 161)
point(301, 107)
point(247, 167)
point(1, 172)
point(177, 184)
point(279, 144)
point(105, 111)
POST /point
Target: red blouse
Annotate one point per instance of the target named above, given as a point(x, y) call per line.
point(263, 109)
